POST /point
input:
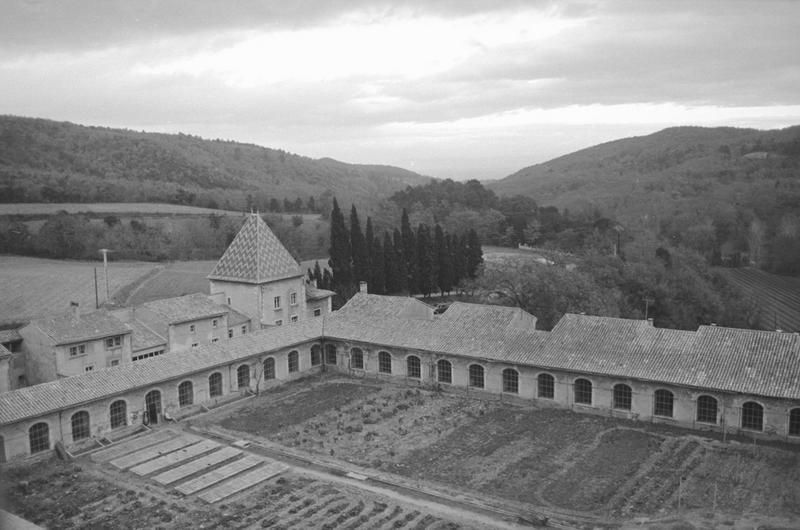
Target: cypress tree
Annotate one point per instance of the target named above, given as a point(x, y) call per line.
point(408, 252)
point(377, 268)
point(444, 279)
point(473, 253)
point(390, 264)
point(401, 280)
point(340, 254)
point(425, 273)
point(358, 247)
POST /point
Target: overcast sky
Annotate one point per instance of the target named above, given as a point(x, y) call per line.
point(450, 88)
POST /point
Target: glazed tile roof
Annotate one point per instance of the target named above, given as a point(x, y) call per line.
point(68, 329)
point(185, 308)
point(63, 393)
point(255, 256)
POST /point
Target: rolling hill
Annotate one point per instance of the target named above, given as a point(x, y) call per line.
point(48, 161)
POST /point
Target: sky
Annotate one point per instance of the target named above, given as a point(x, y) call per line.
point(448, 88)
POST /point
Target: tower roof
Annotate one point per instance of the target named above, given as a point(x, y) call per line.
point(255, 256)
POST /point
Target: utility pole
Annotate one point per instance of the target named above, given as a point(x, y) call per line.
point(105, 252)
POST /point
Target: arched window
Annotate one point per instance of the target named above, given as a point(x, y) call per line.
point(510, 381)
point(413, 366)
point(330, 354)
point(80, 426)
point(706, 409)
point(185, 393)
point(794, 422)
point(357, 359)
point(583, 391)
point(444, 371)
point(622, 397)
point(269, 368)
point(39, 437)
point(752, 416)
point(215, 384)
point(316, 355)
point(152, 406)
point(547, 386)
point(294, 362)
point(663, 401)
point(476, 376)
point(385, 362)
point(119, 414)
point(243, 376)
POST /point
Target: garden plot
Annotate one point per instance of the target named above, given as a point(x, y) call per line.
point(89, 495)
point(544, 458)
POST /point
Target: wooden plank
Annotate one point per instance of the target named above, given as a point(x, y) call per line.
point(195, 466)
point(242, 482)
point(217, 475)
point(128, 446)
point(124, 462)
point(175, 457)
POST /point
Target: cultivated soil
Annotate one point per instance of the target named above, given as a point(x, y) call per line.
point(542, 458)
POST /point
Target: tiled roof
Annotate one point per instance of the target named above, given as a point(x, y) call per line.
point(492, 316)
point(143, 338)
point(363, 305)
point(68, 329)
point(315, 293)
point(9, 335)
point(4, 352)
point(235, 318)
point(63, 393)
point(255, 256)
point(185, 308)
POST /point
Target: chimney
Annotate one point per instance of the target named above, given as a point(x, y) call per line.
point(314, 283)
point(651, 322)
point(362, 287)
point(75, 308)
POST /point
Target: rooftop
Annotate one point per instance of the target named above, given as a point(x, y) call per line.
point(9, 335)
point(68, 329)
point(255, 256)
point(185, 308)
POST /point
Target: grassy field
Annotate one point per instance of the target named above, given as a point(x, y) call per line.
point(34, 287)
point(778, 297)
point(547, 459)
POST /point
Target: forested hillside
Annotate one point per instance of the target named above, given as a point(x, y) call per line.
point(732, 195)
point(48, 161)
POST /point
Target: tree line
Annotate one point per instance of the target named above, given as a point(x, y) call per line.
point(402, 260)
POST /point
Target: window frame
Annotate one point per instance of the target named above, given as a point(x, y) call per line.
point(243, 376)
point(510, 384)
point(113, 342)
point(413, 367)
point(80, 425)
point(185, 397)
point(660, 403)
point(477, 376)
point(39, 441)
point(215, 385)
point(446, 373)
point(268, 368)
point(293, 298)
point(703, 409)
point(276, 303)
point(76, 350)
point(293, 361)
point(118, 418)
point(357, 358)
point(752, 418)
point(545, 381)
point(384, 362)
point(316, 355)
point(317, 312)
point(581, 388)
point(622, 397)
point(331, 355)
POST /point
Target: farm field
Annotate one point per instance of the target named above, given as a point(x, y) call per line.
point(778, 297)
point(34, 287)
point(544, 460)
point(86, 495)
